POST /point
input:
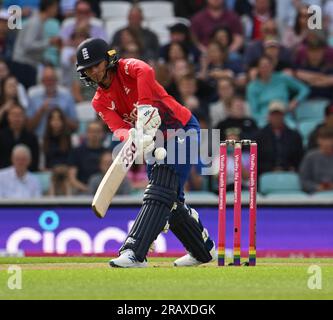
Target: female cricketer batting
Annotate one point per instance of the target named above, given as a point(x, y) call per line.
point(129, 96)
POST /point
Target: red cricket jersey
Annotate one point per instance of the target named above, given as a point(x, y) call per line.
point(134, 84)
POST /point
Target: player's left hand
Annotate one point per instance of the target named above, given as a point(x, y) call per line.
point(148, 118)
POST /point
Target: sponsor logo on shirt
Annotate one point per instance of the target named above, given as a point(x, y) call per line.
point(113, 106)
point(127, 65)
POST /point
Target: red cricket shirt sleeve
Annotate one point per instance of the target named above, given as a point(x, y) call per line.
point(145, 76)
point(112, 119)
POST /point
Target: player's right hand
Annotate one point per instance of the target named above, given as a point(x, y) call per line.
point(148, 118)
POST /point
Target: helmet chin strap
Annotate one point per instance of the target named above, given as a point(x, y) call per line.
point(100, 83)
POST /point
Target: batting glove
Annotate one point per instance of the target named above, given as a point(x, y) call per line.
point(148, 118)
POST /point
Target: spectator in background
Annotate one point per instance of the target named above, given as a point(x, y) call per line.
point(182, 68)
point(84, 160)
point(279, 147)
point(16, 182)
point(270, 86)
point(316, 171)
point(260, 13)
point(9, 96)
point(180, 33)
point(31, 42)
point(187, 8)
point(130, 45)
point(315, 39)
point(60, 184)
point(83, 18)
point(104, 164)
point(272, 49)
point(255, 49)
point(21, 92)
point(47, 96)
point(52, 53)
point(146, 37)
point(216, 65)
point(16, 133)
point(223, 36)
point(218, 110)
point(176, 51)
point(57, 139)
point(328, 123)
point(238, 118)
point(187, 88)
point(315, 71)
point(213, 16)
point(7, 37)
point(295, 35)
point(67, 8)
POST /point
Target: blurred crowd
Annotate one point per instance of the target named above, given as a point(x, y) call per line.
point(251, 68)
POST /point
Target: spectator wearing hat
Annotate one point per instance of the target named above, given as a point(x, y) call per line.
point(180, 33)
point(316, 170)
point(315, 71)
point(269, 86)
point(279, 147)
point(255, 49)
point(328, 122)
point(213, 16)
point(272, 48)
point(16, 181)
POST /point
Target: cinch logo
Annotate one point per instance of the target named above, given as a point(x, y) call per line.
point(85, 54)
point(57, 243)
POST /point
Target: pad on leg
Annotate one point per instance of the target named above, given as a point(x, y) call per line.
point(187, 227)
point(159, 198)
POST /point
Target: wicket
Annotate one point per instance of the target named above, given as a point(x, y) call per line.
point(222, 206)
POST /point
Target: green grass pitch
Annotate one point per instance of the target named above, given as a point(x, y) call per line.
point(91, 278)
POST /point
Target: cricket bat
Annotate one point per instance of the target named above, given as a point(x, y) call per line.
point(114, 177)
point(116, 174)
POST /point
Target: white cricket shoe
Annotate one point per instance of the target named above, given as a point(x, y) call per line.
point(189, 261)
point(127, 259)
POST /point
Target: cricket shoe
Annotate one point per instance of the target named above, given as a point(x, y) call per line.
point(189, 261)
point(127, 259)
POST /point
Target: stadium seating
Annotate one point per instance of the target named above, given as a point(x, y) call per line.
point(156, 9)
point(115, 9)
point(311, 110)
point(44, 179)
point(305, 128)
point(85, 114)
point(280, 183)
